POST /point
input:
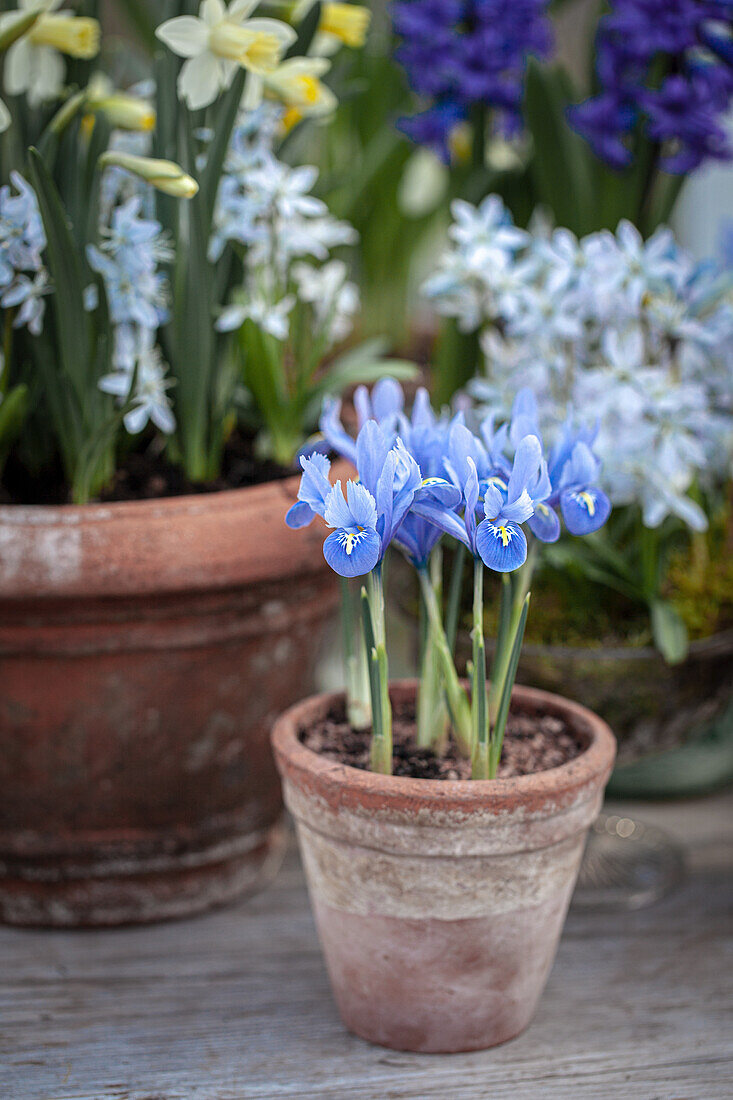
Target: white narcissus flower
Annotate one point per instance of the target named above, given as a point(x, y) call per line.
point(34, 64)
point(123, 111)
point(219, 40)
point(297, 83)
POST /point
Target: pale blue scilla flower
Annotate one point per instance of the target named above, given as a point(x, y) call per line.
point(629, 331)
point(145, 371)
point(23, 277)
point(127, 260)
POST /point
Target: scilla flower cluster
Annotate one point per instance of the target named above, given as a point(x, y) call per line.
point(23, 276)
point(136, 291)
point(421, 477)
point(632, 333)
point(136, 281)
point(286, 236)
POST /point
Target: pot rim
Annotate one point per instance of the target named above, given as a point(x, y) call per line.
point(201, 542)
point(711, 645)
point(343, 785)
point(36, 515)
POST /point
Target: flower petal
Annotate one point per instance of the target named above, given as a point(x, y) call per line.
point(186, 35)
point(526, 464)
point(545, 523)
point(388, 399)
point(362, 505)
point(440, 490)
point(371, 453)
point(199, 81)
point(18, 67)
point(212, 12)
point(299, 515)
point(584, 510)
point(502, 546)
point(352, 553)
point(336, 511)
point(442, 518)
point(315, 488)
point(334, 432)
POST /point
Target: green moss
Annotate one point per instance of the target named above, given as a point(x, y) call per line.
point(701, 586)
point(568, 609)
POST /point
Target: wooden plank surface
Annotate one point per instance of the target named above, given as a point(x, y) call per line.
point(235, 1005)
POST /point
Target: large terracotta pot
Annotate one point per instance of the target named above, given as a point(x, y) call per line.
point(145, 650)
point(439, 905)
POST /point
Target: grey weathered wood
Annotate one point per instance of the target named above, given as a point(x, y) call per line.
point(236, 1006)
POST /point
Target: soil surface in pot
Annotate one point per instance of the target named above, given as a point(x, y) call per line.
point(145, 475)
point(532, 743)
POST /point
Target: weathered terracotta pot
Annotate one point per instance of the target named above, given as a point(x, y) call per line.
point(439, 905)
point(145, 650)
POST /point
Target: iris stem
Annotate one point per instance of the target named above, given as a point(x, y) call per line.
point(432, 717)
point(479, 716)
point(458, 705)
point(381, 751)
point(520, 582)
point(454, 594)
point(356, 667)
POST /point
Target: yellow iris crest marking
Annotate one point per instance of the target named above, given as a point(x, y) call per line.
point(588, 500)
point(350, 539)
point(504, 534)
point(540, 507)
point(498, 482)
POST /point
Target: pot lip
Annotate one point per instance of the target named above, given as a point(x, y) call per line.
point(342, 784)
point(719, 642)
point(207, 542)
point(36, 515)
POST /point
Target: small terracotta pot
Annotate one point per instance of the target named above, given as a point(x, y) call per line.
point(439, 905)
point(145, 650)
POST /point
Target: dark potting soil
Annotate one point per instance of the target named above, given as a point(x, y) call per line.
point(532, 743)
point(144, 475)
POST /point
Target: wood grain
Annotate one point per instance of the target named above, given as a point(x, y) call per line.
point(236, 1006)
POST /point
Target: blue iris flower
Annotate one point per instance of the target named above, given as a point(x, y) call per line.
point(354, 547)
point(545, 522)
point(575, 472)
point(569, 480)
point(372, 512)
point(384, 405)
point(425, 436)
point(498, 538)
